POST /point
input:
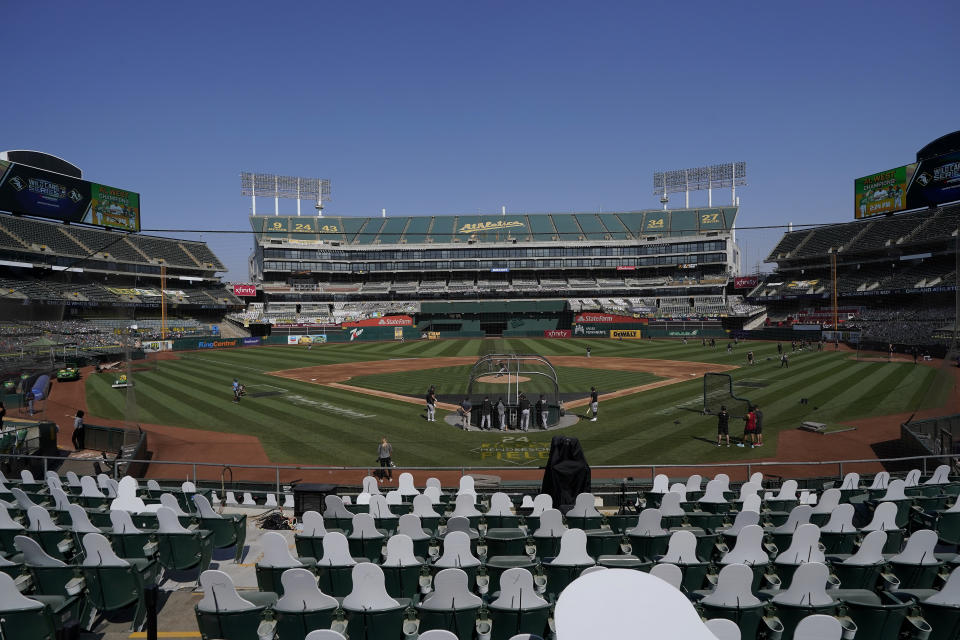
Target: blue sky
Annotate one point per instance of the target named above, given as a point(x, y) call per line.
point(454, 107)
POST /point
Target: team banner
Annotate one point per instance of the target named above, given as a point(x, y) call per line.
point(245, 290)
point(608, 318)
point(557, 333)
point(884, 192)
point(154, 346)
point(385, 321)
point(745, 282)
point(619, 334)
point(398, 333)
point(46, 194)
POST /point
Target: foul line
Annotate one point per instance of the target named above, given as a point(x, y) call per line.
point(386, 394)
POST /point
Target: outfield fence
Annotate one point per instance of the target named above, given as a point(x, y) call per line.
point(632, 477)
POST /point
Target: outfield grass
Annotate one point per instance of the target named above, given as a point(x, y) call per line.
point(307, 423)
point(452, 381)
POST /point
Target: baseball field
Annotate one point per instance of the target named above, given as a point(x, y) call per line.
point(330, 405)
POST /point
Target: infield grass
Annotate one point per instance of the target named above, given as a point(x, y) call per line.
point(307, 423)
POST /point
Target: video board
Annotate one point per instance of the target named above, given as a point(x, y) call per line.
point(922, 184)
point(35, 192)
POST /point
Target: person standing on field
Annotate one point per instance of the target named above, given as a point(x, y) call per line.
point(77, 437)
point(758, 430)
point(502, 414)
point(431, 405)
point(486, 411)
point(385, 458)
point(594, 403)
point(524, 406)
point(723, 425)
point(542, 412)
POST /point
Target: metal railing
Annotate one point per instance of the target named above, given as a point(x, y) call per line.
point(645, 469)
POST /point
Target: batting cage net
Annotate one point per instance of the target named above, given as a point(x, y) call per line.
point(718, 392)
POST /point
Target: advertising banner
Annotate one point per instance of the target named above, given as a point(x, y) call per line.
point(607, 318)
point(46, 194)
point(398, 333)
point(317, 339)
point(217, 344)
point(385, 321)
point(154, 346)
point(244, 290)
point(913, 186)
point(632, 334)
point(558, 333)
point(883, 192)
point(251, 342)
point(745, 282)
point(588, 331)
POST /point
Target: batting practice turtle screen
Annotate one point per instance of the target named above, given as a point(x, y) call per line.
point(35, 192)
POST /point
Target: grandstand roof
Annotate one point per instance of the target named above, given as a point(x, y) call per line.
point(520, 227)
point(28, 235)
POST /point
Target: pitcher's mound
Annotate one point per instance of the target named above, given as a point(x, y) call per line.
point(504, 379)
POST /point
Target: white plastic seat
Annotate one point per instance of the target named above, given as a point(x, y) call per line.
point(465, 505)
point(661, 484)
point(271, 500)
point(434, 482)
point(723, 480)
point(12, 600)
point(99, 553)
point(168, 522)
point(433, 494)
point(669, 573)
point(681, 488)
point(751, 503)
point(451, 590)
point(670, 504)
point(40, 520)
point(121, 522)
point(72, 479)
point(467, 486)
point(127, 499)
point(880, 481)
point(33, 553)
point(919, 549)
point(248, 500)
point(188, 487)
point(61, 501)
point(220, 595)
point(748, 489)
point(231, 499)
point(276, 553)
point(517, 592)
point(583, 507)
point(541, 502)
point(394, 498)
point(333, 508)
point(170, 502)
point(828, 501)
point(870, 551)
point(573, 549)
point(456, 551)
point(808, 586)
point(89, 488)
point(788, 491)
point(400, 552)
point(621, 603)
point(841, 519)
point(551, 524)
point(818, 627)
point(369, 591)
point(204, 510)
point(941, 475)
point(26, 477)
point(694, 483)
point(682, 549)
point(370, 485)
point(423, 506)
point(460, 523)
point(526, 502)
point(895, 491)
point(713, 493)
point(500, 505)
point(379, 508)
point(405, 484)
point(723, 629)
point(851, 482)
point(364, 527)
point(336, 551)
point(949, 595)
point(313, 526)
point(743, 519)
point(288, 501)
point(912, 479)
point(748, 549)
point(437, 634)
point(804, 547)
point(301, 593)
point(648, 524)
point(79, 521)
point(733, 588)
point(153, 485)
point(884, 518)
point(799, 515)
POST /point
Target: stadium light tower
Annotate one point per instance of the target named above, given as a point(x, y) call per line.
point(720, 176)
point(266, 185)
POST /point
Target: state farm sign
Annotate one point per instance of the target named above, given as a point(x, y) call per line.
point(245, 290)
point(606, 318)
point(557, 333)
point(385, 321)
